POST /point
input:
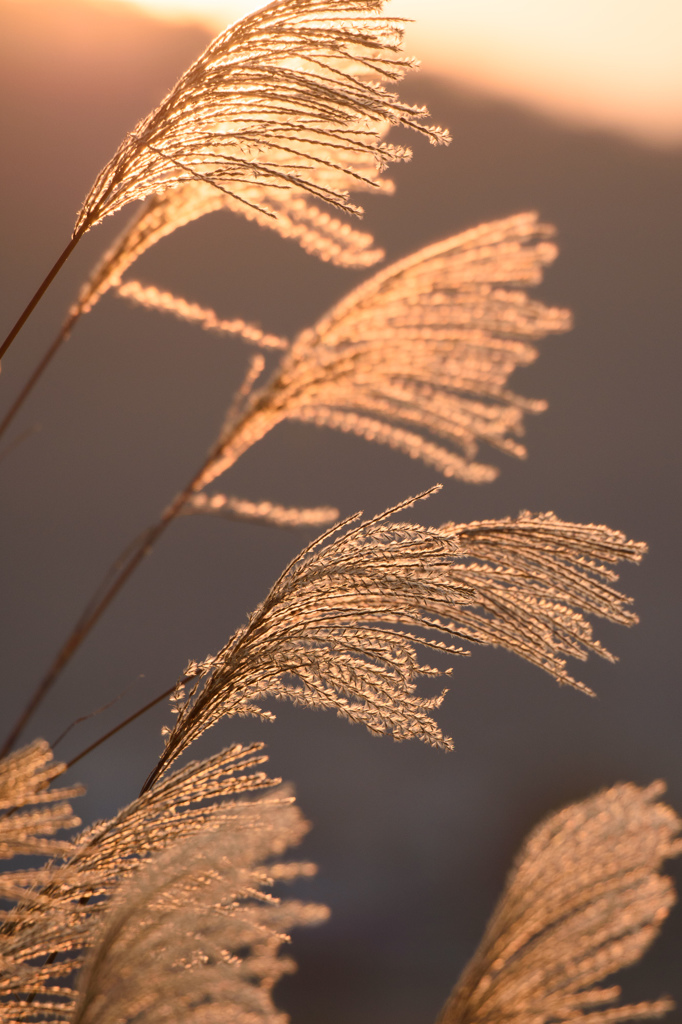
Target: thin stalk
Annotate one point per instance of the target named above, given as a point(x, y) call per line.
point(122, 725)
point(107, 735)
point(39, 370)
point(41, 291)
point(125, 567)
point(96, 609)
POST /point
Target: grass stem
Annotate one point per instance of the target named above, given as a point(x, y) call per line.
point(121, 725)
point(41, 291)
point(39, 370)
point(105, 594)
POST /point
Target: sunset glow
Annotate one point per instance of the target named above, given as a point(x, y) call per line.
point(615, 63)
point(608, 63)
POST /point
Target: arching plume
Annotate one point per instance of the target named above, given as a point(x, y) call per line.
point(418, 357)
point(288, 97)
point(331, 631)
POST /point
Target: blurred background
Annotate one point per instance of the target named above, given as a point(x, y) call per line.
point(572, 109)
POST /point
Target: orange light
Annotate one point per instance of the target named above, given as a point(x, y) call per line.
point(614, 63)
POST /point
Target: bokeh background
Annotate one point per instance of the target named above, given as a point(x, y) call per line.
point(412, 844)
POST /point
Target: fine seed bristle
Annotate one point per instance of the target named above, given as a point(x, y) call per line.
point(25, 780)
point(288, 213)
point(153, 298)
point(264, 512)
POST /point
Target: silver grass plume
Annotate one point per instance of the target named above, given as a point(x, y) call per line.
point(25, 780)
point(288, 97)
point(58, 907)
point(287, 212)
point(583, 900)
point(326, 634)
point(418, 357)
point(194, 938)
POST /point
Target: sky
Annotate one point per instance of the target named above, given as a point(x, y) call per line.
point(613, 63)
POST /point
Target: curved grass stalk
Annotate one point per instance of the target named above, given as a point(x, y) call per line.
point(40, 291)
point(125, 567)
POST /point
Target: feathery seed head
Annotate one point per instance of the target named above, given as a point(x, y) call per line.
point(326, 634)
point(418, 356)
point(59, 907)
point(583, 900)
point(288, 97)
point(194, 936)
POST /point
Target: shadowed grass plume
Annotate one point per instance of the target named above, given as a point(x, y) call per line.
point(59, 907)
point(584, 899)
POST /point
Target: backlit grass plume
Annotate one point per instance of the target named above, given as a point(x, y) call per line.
point(288, 97)
point(327, 635)
point(194, 938)
point(164, 914)
point(418, 357)
point(58, 907)
point(584, 899)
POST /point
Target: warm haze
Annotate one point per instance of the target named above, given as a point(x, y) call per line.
point(610, 63)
